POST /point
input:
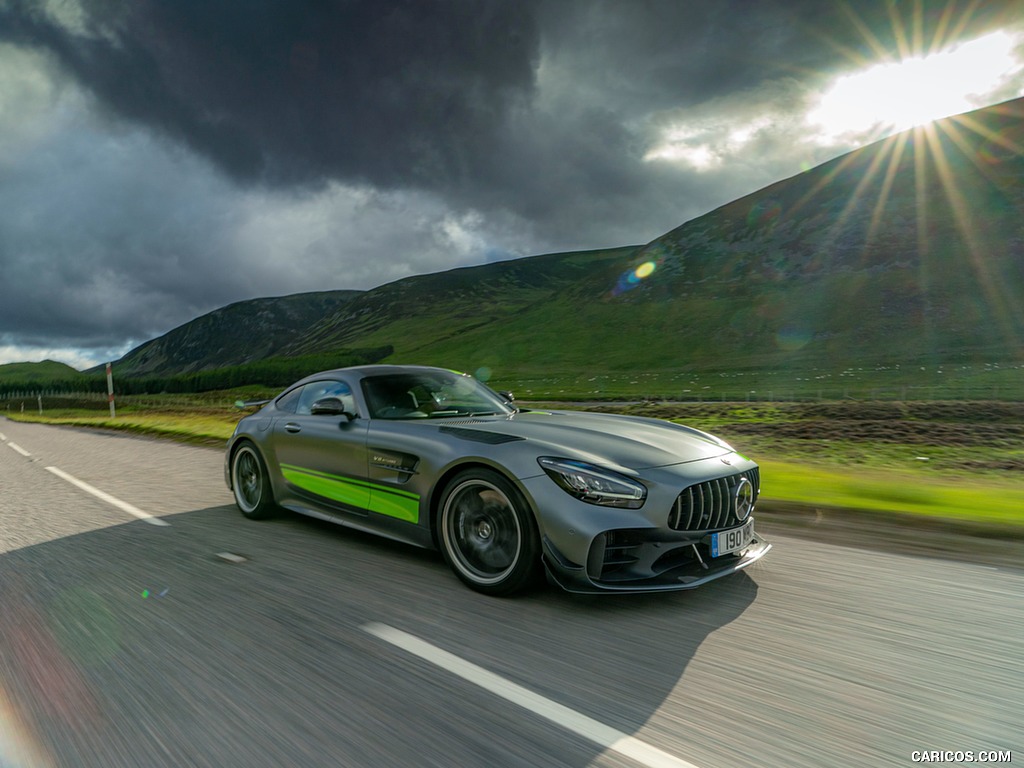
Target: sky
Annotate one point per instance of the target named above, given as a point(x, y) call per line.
point(163, 158)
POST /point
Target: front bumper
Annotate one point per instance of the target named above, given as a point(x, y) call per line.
point(664, 545)
point(634, 562)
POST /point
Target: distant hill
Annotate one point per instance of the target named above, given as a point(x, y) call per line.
point(905, 252)
point(30, 373)
point(465, 315)
point(240, 333)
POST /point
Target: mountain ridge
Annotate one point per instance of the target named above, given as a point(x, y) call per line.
point(238, 333)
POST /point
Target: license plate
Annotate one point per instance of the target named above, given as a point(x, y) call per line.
point(732, 540)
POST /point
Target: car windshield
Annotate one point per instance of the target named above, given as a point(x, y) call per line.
point(430, 394)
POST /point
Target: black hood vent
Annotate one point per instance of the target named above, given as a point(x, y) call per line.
point(480, 436)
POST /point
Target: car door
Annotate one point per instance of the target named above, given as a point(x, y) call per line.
point(323, 457)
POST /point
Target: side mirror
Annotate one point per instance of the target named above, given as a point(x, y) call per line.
point(509, 397)
point(330, 406)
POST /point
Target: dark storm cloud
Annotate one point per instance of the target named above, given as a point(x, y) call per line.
point(443, 96)
point(384, 92)
point(88, 251)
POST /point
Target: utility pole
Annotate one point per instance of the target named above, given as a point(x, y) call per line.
point(110, 390)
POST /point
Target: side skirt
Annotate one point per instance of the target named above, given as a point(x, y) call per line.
point(386, 530)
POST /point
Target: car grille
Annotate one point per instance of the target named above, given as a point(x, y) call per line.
point(710, 505)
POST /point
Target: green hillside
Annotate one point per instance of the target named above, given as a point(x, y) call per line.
point(33, 373)
point(909, 252)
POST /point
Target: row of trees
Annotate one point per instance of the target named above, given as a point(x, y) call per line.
point(272, 372)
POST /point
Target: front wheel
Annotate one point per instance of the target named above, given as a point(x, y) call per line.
point(487, 533)
point(251, 483)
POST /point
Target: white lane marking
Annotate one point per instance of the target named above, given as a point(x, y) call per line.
point(122, 505)
point(19, 449)
point(3, 437)
point(597, 732)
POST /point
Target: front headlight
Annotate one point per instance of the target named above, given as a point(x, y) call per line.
point(594, 485)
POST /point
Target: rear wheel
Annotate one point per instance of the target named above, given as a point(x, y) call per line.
point(487, 533)
point(251, 483)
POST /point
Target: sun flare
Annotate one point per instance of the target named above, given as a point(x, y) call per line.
point(894, 96)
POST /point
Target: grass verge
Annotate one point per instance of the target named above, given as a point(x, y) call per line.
point(985, 503)
point(204, 429)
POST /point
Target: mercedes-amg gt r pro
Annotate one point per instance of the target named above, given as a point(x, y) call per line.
point(601, 503)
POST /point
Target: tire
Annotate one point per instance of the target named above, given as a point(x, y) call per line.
point(487, 533)
point(251, 483)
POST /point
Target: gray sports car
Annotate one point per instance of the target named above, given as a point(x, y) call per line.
point(434, 458)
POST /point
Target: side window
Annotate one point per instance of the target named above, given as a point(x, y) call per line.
point(317, 390)
point(289, 400)
point(390, 398)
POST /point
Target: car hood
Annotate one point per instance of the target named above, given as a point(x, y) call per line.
point(633, 442)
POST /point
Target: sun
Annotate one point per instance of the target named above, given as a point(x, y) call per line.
point(903, 99)
point(894, 96)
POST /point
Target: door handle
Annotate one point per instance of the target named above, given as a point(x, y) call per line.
point(292, 427)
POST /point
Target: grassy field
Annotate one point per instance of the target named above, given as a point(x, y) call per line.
point(949, 381)
point(955, 461)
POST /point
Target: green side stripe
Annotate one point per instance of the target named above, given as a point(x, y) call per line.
point(352, 481)
point(336, 490)
point(395, 506)
point(377, 498)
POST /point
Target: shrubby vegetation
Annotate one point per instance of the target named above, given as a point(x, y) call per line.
point(272, 372)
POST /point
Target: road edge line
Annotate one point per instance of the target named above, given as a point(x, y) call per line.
point(112, 500)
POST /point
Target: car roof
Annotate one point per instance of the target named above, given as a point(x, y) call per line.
point(363, 371)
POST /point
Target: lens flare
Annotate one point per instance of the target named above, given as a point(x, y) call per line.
point(18, 746)
point(51, 690)
point(632, 277)
point(483, 373)
point(645, 270)
point(998, 149)
point(791, 338)
point(763, 213)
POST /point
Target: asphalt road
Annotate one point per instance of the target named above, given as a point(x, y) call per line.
point(127, 643)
